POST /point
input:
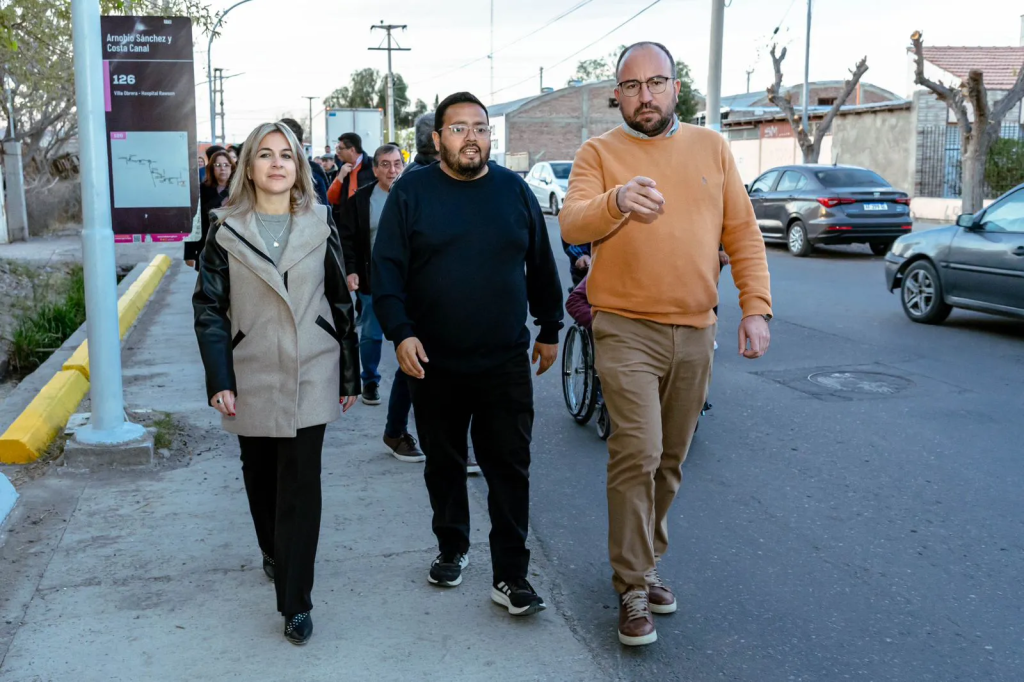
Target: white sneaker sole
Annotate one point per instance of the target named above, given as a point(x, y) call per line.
point(443, 583)
point(413, 459)
point(500, 598)
point(370, 402)
point(662, 609)
point(639, 641)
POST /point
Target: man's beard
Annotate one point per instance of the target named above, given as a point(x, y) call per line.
point(651, 128)
point(464, 169)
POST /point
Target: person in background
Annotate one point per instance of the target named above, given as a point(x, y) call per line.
point(201, 164)
point(277, 337)
point(358, 230)
point(233, 153)
point(208, 153)
point(319, 178)
point(212, 193)
point(579, 261)
point(330, 169)
point(655, 197)
point(426, 152)
point(462, 256)
point(327, 150)
point(354, 172)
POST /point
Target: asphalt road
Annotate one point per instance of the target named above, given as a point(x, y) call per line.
point(821, 533)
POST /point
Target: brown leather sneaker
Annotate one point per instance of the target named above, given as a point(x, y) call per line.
point(636, 624)
point(404, 448)
point(660, 595)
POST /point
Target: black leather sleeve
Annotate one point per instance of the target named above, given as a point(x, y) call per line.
point(340, 300)
point(210, 302)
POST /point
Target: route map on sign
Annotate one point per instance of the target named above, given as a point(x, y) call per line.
point(150, 169)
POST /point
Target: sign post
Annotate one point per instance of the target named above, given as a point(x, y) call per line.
point(150, 104)
point(107, 424)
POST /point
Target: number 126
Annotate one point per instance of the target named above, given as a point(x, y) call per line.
point(124, 80)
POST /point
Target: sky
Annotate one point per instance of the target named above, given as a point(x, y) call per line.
point(283, 50)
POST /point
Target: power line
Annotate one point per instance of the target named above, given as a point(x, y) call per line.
point(577, 6)
point(559, 63)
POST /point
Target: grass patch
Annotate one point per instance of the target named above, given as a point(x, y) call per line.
point(165, 429)
point(58, 310)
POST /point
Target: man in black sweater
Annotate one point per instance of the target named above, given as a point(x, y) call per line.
point(462, 252)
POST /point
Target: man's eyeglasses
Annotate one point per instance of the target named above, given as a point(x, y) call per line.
point(387, 165)
point(656, 85)
point(461, 130)
point(222, 165)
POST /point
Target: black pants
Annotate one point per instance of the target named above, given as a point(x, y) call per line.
point(499, 403)
point(282, 481)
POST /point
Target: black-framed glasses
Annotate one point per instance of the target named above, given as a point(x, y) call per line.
point(656, 85)
point(222, 165)
point(461, 130)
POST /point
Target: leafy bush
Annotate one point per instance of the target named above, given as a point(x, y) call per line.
point(1005, 167)
point(48, 325)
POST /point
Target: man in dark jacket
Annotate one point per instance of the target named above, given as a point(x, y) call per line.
point(358, 230)
point(462, 257)
point(426, 152)
point(355, 167)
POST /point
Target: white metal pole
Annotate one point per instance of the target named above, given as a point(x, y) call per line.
point(491, 55)
point(713, 116)
point(391, 95)
point(807, 69)
point(209, 70)
point(107, 424)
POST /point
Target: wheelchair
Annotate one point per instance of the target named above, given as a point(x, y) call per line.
point(581, 386)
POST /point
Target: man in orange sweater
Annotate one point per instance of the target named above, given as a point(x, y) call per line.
point(655, 198)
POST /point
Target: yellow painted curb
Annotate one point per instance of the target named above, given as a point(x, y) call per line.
point(128, 309)
point(35, 428)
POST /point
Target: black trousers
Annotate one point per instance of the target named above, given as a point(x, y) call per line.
point(499, 403)
point(282, 481)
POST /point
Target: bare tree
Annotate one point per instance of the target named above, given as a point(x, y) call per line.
point(810, 144)
point(977, 135)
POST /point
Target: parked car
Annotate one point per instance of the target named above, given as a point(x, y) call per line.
point(549, 180)
point(804, 206)
point(977, 264)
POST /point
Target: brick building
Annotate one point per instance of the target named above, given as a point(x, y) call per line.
point(553, 125)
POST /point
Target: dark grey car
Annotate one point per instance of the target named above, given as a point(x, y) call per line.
point(977, 264)
point(815, 204)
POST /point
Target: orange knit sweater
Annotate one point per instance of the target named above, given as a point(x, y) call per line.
point(664, 268)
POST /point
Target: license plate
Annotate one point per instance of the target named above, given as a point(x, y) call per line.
point(876, 207)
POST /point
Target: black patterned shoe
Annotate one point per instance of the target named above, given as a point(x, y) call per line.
point(299, 628)
point(268, 566)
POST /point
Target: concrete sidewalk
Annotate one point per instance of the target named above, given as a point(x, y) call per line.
point(155, 575)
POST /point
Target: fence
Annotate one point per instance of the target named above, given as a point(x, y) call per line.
point(939, 161)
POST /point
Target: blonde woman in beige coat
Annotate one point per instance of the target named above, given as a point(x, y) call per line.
point(276, 332)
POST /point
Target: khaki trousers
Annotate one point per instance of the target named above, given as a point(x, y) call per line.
point(654, 378)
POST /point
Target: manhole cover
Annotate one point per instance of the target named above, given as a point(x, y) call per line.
point(872, 383)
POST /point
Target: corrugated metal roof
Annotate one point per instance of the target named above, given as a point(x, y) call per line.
point(508, 107)
point(1001, 65)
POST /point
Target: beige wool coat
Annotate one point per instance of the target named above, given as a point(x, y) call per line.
point(280, 335)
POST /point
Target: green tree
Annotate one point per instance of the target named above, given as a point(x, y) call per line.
point(686, 107)
point(36, 58)
point(368, 89)
point(1004, 168)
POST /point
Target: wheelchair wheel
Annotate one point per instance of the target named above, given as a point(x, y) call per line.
point(604, 422)
point(578, 374)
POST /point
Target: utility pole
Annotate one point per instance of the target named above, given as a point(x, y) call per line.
point(309, 125)
point(107, 425)
point(542, 80)
point(219, 75)
point(749, 73)
point(14, 177)
point(209, 70)
point(807, 69)
point(491, 55)
point(391, 76)
point(713, 115)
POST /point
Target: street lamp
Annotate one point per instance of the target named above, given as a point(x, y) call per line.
point(209, 71)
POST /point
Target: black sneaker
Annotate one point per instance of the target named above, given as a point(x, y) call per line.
point(518, 596)
point(268, 566)
point(299, 628)
point(371, 394)
point(446, 569)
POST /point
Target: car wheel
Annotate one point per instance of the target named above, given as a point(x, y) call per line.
point(797, 240)
point(554, 205)
point(921, 294)
point(880, 248)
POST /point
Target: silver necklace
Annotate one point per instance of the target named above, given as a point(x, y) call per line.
point(276, 239)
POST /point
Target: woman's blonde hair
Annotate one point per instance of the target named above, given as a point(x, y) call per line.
point(241, 199)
